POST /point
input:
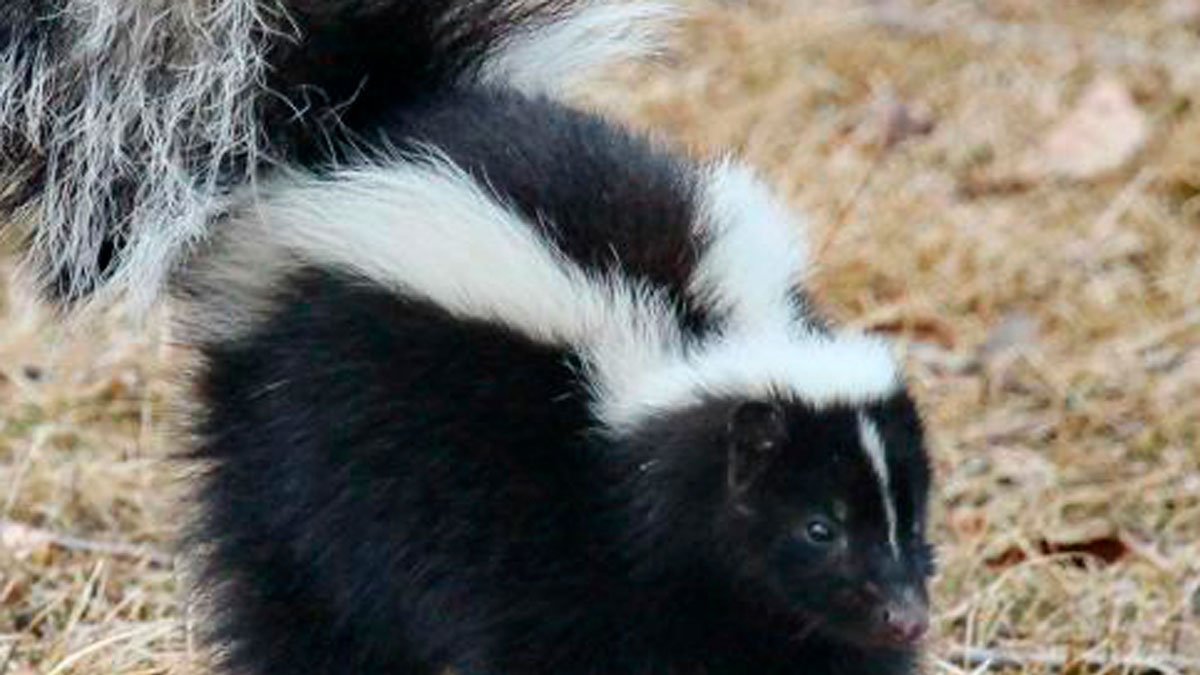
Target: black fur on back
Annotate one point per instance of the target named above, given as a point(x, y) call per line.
point(392, 490)
point(327, 454)
point(609, 200)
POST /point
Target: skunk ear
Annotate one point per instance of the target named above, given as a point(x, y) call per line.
point(756, 432)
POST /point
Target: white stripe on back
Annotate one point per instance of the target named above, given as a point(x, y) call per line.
point(756, 256)
point(427, 229)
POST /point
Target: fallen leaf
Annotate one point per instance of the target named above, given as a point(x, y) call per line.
point(926, 329)
point(977, 185)
point(1101, 134)
point(1106, 550)
point(1009, 557)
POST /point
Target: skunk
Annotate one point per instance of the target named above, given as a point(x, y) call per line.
point(486, 382)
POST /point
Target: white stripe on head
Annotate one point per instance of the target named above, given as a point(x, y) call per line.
point(549, 57)
point(872, 443)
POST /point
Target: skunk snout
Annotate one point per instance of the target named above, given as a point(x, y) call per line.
point(901, 620)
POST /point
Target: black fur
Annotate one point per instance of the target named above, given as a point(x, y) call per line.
point(392, 490)
point(344, 64)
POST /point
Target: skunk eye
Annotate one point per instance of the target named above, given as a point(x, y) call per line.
point(820, 531)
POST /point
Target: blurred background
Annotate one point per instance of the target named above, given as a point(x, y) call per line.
point(1010, 188)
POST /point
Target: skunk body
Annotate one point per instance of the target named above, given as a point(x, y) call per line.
point(488, 383)
point(396, 490)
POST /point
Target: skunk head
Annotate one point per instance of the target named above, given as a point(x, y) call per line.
point(816, 514)
point(823, 516)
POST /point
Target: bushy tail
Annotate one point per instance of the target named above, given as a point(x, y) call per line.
point(127, 125)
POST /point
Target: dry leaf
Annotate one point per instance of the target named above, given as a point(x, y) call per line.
point(1106, 550)
point(923, 329)
point(1103, 132)
point(976, 185)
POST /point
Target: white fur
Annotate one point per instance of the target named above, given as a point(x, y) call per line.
point(872, 443)
point(548, 58)
point(818, 371)
point(756, 259)
point(427, 229)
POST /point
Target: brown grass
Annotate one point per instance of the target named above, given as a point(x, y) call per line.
point(1053, 332)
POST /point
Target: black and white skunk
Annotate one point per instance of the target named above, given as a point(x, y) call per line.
point(488, 383)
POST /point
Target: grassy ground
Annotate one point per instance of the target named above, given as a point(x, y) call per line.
point(1049, 303)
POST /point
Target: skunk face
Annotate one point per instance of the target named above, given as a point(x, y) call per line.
point(825, 516)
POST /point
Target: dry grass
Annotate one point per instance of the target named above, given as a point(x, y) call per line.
point(1053, 329)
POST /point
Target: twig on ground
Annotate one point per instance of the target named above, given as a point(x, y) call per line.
point(1060, 659)
point(19, 536)
point(145, 633)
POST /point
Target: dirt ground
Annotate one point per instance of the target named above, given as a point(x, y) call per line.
point(1010, 188)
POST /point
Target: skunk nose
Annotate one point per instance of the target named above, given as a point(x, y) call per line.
point(903, 623)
